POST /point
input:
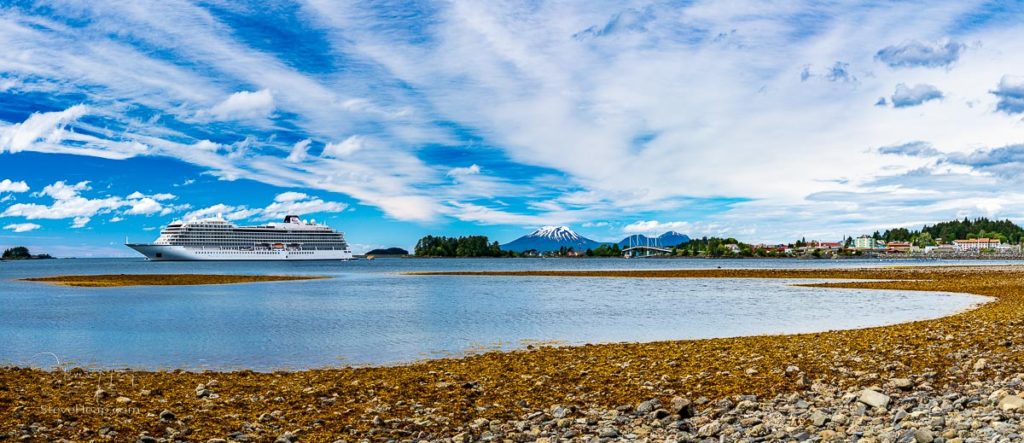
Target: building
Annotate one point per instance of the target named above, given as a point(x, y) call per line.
point(940, 249)
point(865, 242)
point(977, 244)
point(830, 245)
point(898, 246)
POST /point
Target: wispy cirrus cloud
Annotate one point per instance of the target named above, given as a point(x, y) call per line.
point(570, 111)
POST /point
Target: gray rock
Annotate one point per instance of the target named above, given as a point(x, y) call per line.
point(873, 398)
point(903, 383)
point(682, 407)
point(647, 407)
point(923, 436)
point(818, 418)
point(558, 411)
point(166, 415)
point(287, 437)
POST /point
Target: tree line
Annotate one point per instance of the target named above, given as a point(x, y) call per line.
point(470, 246)
point(1004, 230)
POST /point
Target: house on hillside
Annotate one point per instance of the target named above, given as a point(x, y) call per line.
point(977, 244)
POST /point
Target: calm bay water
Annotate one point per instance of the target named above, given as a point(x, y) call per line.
point(368, 313)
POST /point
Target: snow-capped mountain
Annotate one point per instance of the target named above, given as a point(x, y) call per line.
point(551, 238)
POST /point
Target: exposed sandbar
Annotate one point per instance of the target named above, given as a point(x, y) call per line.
point(115, 280)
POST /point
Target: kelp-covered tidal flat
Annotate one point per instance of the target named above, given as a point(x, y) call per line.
point(936, 380)
point(116, 280)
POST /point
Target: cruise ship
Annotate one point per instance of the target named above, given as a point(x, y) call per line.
point(218, 239)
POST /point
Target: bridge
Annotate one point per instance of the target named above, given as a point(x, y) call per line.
point(645, 251)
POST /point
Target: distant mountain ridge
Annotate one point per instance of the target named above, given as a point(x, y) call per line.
point(551, 238)
point(666, 240)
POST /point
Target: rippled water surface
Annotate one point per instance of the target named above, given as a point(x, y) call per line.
point(369, 313)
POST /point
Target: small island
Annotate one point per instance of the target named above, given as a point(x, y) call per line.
point(387, 251)
point(22, 253)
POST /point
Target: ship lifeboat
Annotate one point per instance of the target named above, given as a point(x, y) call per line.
point(277, 246)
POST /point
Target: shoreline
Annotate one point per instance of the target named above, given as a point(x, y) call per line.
point(449, 397)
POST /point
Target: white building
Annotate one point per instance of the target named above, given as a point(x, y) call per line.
point(865, 242)
point(976, 244)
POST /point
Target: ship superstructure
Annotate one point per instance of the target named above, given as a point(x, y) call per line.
point(219, 239)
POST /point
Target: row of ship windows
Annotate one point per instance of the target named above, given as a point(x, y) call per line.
point(326, 237)
point(253, 252)
point(305, 247)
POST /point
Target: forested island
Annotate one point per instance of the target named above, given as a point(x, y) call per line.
point(470, 246)
point(22, 253)
point(388, 251)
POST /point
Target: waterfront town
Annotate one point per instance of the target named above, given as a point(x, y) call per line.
point(868, 245)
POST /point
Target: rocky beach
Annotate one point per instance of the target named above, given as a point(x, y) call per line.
point(956, 378)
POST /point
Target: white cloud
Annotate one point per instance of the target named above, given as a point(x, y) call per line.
point(40, 128)
point(163, 196)
point(473, 169)
point(290, 196)
point(654, 226)
point(244, 105)
point(68, 202)
point(286, 203)
point(220, 209)
point(174, 208)
point(344, 149)
point(906, 96)
point(22, 227)
point(278, 209)
point(6, 185)
point(299, 150)
point(116, 219)
point(144, 206)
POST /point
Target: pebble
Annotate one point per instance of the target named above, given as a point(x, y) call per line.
point(903, 383)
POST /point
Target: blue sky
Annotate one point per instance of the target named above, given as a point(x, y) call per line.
point(392, 120)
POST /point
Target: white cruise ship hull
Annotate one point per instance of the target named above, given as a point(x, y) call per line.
point(182, 253)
